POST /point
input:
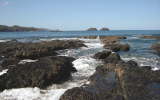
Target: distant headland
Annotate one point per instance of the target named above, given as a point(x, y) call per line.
point(16, 28)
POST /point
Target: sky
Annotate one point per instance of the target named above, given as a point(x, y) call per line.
point(82, 14)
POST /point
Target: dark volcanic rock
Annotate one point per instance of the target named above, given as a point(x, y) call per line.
point(42, 73)
point(108, 57)
point(78, 94)
point(6, 62)
point(36, 50)
point(105, 38)
point(150, 37)
point(89, 37)
point(156, 47)
point(112, 43)
point(102, 55)
point(117, 47)
point(124, 47)
point(119, 80)
point(112, 58)
point(134, 82)
point(111, 39)
point(124, 81)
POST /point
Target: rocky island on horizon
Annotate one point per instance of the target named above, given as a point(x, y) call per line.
point(95, 29)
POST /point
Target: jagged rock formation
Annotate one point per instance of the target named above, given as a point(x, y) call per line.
point(111, 42)
point(41, 73)
point(45, 67)
point(36, 50)
point(119, 80)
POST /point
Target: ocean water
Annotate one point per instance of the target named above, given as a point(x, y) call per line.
point(67, 34)
point(84, 63)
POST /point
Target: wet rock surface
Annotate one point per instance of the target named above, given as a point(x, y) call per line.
point(119, 80)
point(108, 57)
point(156, 47)
point(79, 93)
point(102, 55)
point(42, 73)
point(8, 62)
point(150, 37)
point(117, 47)
point(36, 50)
point(111, 42)
point(44, 67)
point(109, 38)
point(114, 80)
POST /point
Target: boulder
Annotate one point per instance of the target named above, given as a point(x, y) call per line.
point(112, 58)
point(89, 37)
point(7, 62)
point(117, 47)
point(42, 73)
point(102, 55)
point(78, 94)
point(156, 47)
point(108, 57)
point(108, 39)
point(150, 37)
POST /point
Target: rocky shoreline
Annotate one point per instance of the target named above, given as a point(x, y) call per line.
point(111, 42)
point(45, 68)
point(118, 80)
point(115, 79)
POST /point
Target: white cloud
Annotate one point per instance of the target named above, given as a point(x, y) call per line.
point(3, 3)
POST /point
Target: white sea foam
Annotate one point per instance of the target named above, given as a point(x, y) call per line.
point(3, 72)
point(91, 43)
point(51, 39)
point(26, 60)
point(4, 40)
point(155, 68)
point(142, 61)
point(31, 94)
point(85, 66)
point(93, 46)
point(133, 37)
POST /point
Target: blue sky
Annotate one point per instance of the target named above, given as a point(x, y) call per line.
point(81, 14)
